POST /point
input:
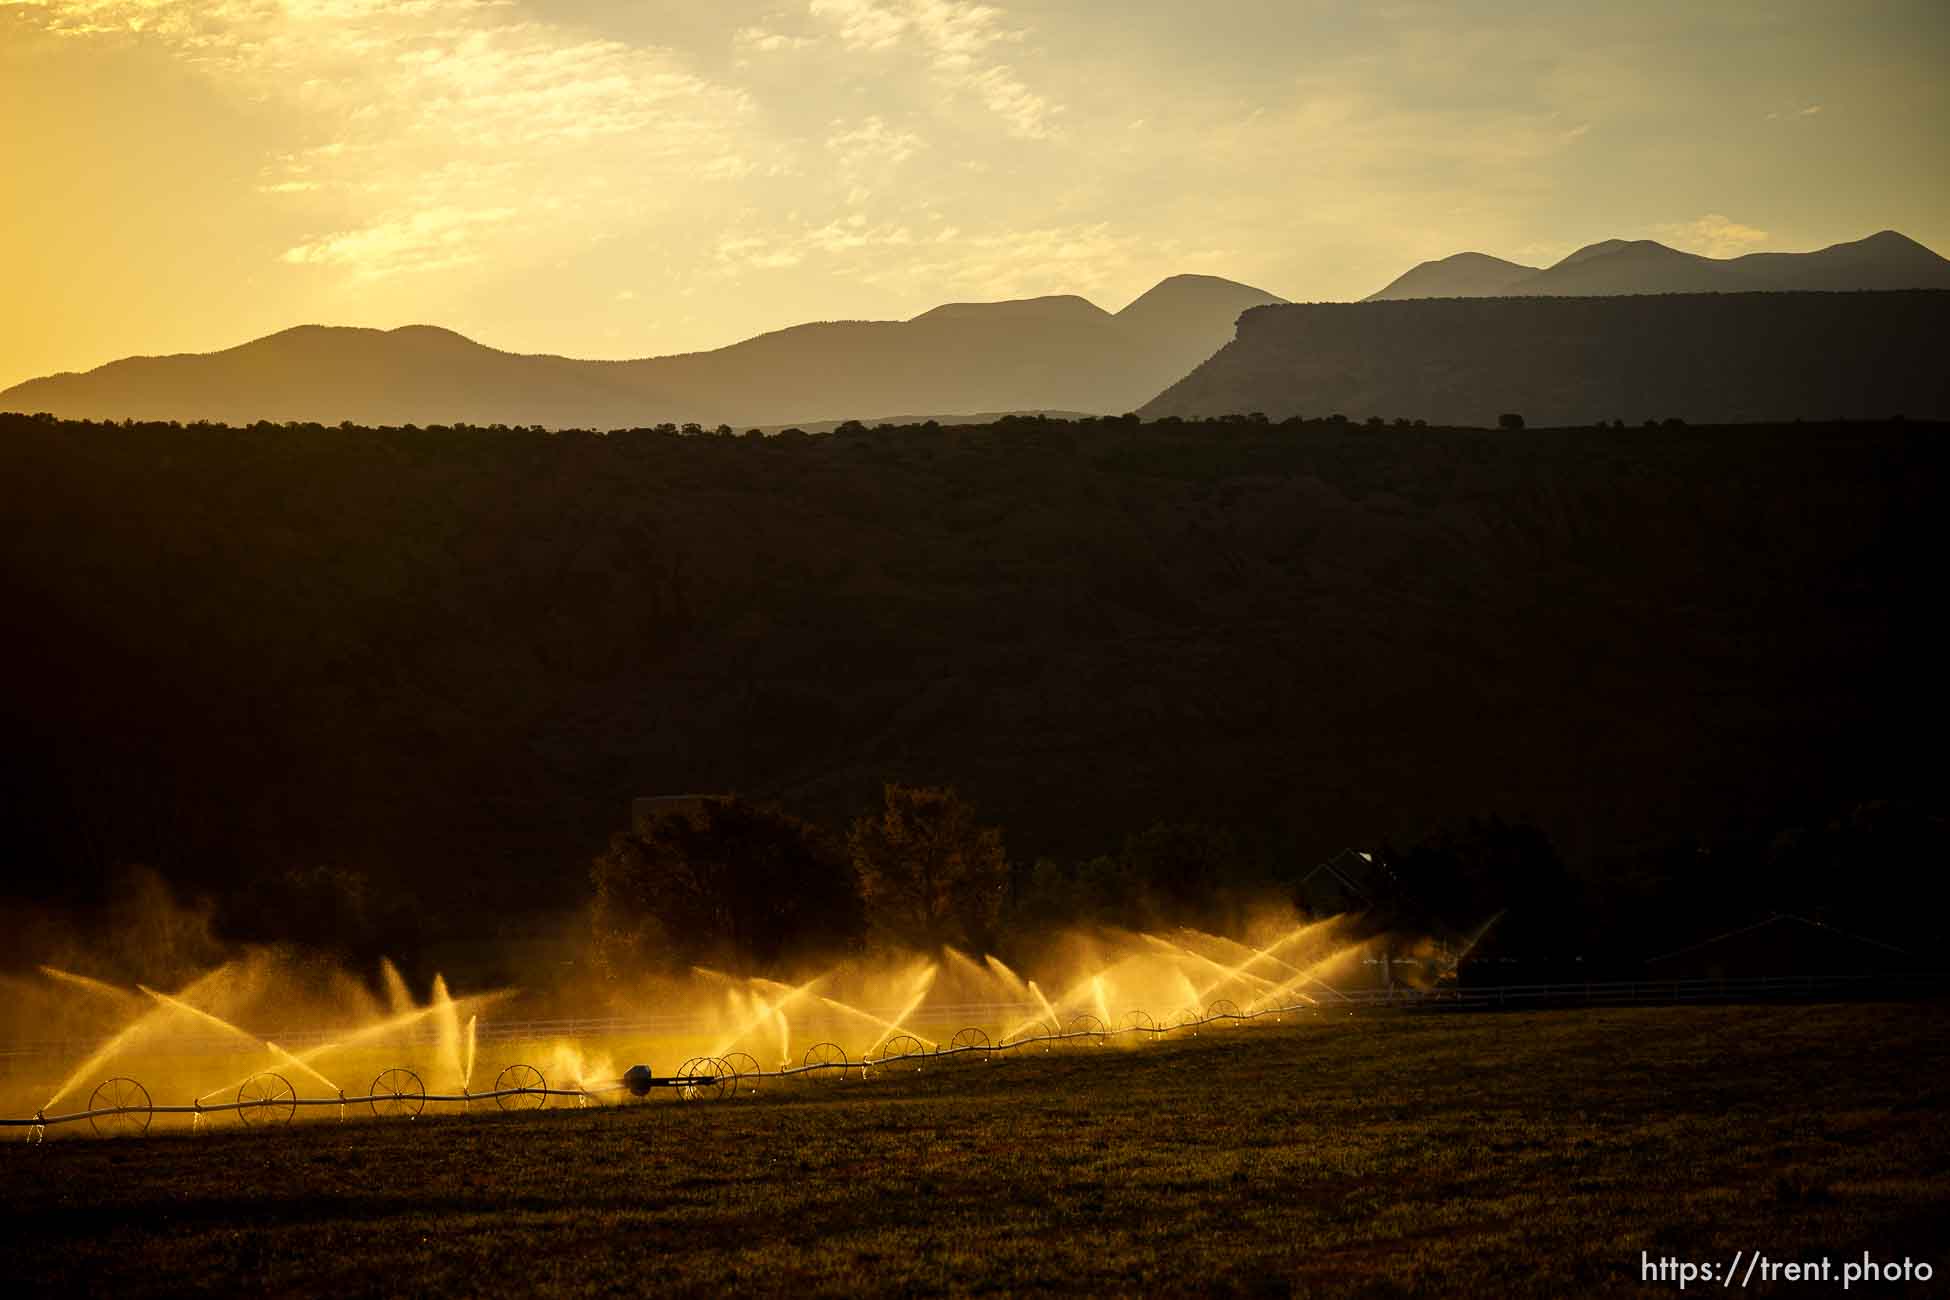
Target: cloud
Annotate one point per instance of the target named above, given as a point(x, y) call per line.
point(758, 40)
point(949, 262)
point(433, 113)
point(735, 253)
point(433, 240)
point(1714, 235)
point(868, 155)
point(959, 38)
point(1074, 258)
point(863, 24)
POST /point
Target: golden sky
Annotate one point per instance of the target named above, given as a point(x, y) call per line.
point(611, 179)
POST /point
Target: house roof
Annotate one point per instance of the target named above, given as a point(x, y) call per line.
point(1778, 918)
point(1359, 875)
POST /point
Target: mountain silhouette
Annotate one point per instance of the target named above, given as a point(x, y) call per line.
point(1183, 319)
point(1704, 358)
point(1887, 260)
point(1460, 275)
point(1061, 352)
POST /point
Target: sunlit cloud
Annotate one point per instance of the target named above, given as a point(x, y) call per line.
point(960, 39)
point(871, 142)
point(435, 240)
point(1084, 258)
point(863, 24)
point(1714, 235)
point(759, 40)
point(449, 118)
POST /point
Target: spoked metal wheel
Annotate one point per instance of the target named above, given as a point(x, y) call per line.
point(129, 1104)
point(530, 1089)
point(1087, 1025)
point(398, 1094)
point(1187, 1021)
point(1140, 1022)
point(1225, 1009)
point(744, 1066)
point(970, 1040)
point(1028, 1033)
point(831, 1056)
point(265, 1100)
point(693, 1066)
point(714, 1078)
point(899, 1047)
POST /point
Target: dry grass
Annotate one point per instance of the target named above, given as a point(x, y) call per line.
point(1503, 1155)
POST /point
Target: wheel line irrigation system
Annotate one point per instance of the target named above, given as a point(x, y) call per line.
point(122, 1106)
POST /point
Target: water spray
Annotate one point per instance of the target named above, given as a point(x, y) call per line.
point(220, 1023)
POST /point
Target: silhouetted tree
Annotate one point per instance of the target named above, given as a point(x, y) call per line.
point(1509, 420)
point(1185, 871)
point(336, 909)
point(1459, 878)
point(730, 879)
point(928, 872)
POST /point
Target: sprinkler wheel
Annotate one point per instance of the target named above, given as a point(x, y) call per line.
point(1223, 1009)
point(899, 1047)
point(970, 1039)
point(1029, 1033)
point(1140, 1021)
point(266, 1099)
point(1088, 1025)
point(130, 1104)
point(830, 1055)
point(397, 1093)
point(533, 1088)
point(714, 1077)
point(743, 1066)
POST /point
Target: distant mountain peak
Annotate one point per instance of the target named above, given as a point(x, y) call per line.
point(1198, 293)
point(430, 332)
point(1885, 260)
point(1055, 305)
point(1459, 275)
point(1627, 248)
point(1055, 352)
point(1589, 251)
point(317, 331)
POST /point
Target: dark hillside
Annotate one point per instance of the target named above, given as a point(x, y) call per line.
point(448, 658)
point(1706, 358)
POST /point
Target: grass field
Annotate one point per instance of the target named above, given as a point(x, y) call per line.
point(1505, 1155)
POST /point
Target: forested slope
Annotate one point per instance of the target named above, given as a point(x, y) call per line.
point(448, 658)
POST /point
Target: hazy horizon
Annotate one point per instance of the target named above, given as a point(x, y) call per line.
point(605, 181)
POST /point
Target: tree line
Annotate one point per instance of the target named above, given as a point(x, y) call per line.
point(727, 880)
point(390, 687)
point(736, 882)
